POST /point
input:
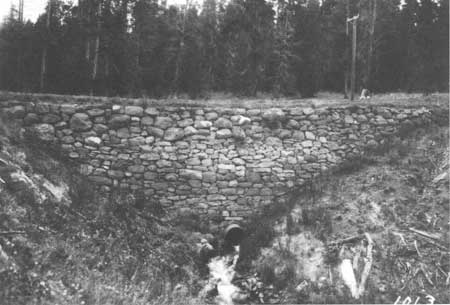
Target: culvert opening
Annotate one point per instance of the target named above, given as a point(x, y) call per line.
point(234, 235)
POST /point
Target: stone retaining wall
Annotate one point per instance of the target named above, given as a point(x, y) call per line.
point(220, 163)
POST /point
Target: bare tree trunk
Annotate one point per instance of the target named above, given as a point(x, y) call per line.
point(125, 16)
point(45, 50)
point(80, 10)
point(371, 43)
point(180, 49)
point(97, 48)
point(20, 52)
point(88, 24)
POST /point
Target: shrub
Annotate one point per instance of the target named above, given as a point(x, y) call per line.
point(190, 221)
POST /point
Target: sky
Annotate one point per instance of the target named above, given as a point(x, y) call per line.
point(33, 8)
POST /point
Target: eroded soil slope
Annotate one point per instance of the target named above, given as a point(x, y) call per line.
point(400, 196)
point(62, 243)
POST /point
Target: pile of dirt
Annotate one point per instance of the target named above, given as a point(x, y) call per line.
point(399, 200)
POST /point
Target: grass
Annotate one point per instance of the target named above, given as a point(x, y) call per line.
point(222, 100)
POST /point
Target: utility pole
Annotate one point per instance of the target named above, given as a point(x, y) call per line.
point(346, 72)
point(353, 20)
point(21, 11)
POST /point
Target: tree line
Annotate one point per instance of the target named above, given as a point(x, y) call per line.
point(281, 47)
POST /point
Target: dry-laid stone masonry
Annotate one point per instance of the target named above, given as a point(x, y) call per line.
point(217, 162)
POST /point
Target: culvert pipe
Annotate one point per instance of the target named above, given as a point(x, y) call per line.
point(234, 234)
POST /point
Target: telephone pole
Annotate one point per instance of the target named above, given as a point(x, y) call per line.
point(353, 20)
point(347, 50)
point(21, 11)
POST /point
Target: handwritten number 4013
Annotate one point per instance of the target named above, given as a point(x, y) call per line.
point(408, 300)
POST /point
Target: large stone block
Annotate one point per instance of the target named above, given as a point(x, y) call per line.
point(100, 180)
point(16, 112)
point(147, 120)
point(116, 174)
point(173, 134)
point(68, 108)
point(43, 132)
point(42, 108)
point(136, 168)
point(186, 122)
point(223, 134)
point(134, 110)
point(163, 122)
point(202, 124)
point(240, 120)
point(211, 116)
point(100, 128)
point(80, 122)
point(309, 135)
point(156, 132)
point(93, 141)
point(191, 174)
point(223, 123)
point(31, 118)
point(151, 111)
point(51, 118)
point(95, 112)
point(274, 115)
point(119, 120)
point(150, 156)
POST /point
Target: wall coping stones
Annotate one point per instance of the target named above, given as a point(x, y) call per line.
point(134, 110)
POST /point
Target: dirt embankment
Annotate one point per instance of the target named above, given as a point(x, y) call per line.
point(399, 195)
point(61, 243)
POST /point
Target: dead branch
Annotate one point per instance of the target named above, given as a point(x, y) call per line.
point(442, 271)
point(350, 239)
point(423, 233)
point(367, 266)
point(417, 248)
point(402, 238)
point(12, 232)
point(422, 268)
point(431, 241)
